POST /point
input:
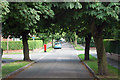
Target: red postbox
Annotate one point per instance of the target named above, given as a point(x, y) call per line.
point(45, 47)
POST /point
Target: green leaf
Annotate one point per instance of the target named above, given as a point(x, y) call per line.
point(71, 5)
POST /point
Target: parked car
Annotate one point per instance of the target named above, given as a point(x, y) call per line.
point(57, 45)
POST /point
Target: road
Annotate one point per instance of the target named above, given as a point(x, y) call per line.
point(60, 63)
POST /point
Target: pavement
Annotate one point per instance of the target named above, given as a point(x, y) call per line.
point(60, 63)
point(110, 61)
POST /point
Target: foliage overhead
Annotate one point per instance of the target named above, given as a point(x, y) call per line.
point(23, 17)
point(4, 9)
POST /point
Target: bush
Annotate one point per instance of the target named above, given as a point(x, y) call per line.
point(112, 46)
point(17, 45)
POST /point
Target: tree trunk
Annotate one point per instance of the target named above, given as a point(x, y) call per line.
point(7, 44)
point(72, 40)
point(25, 47)
point(68, 39)
point(87, 46)
point(0, 41)
point(52, 43)
point(101, 54)
point(75, 42)
point(0, 50)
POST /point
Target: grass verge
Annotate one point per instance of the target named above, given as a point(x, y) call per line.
point(12, 53)
point(10, 67)
point(78, 47)
point(92, 63)
point(16, 53)
point(6, 58)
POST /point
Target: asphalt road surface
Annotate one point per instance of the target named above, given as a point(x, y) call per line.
point(60, 63)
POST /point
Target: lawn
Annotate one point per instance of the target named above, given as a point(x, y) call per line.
point(78, 47)
point(12, 53)
point(10, 67)
point(92, 63)
point(6, 58)
point(17, 53)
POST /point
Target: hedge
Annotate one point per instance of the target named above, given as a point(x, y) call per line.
point(112, 46)
point(35, 44)
point(17, 45)
point(13, 45)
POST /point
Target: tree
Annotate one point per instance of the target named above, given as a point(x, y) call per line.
point(101, 14)
point(87, 46)
point(44, 37)
point(4, 9)
point(57, 36)
point(83, 32)
point(54, 31)
point(75, 42)
point(22, 20)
